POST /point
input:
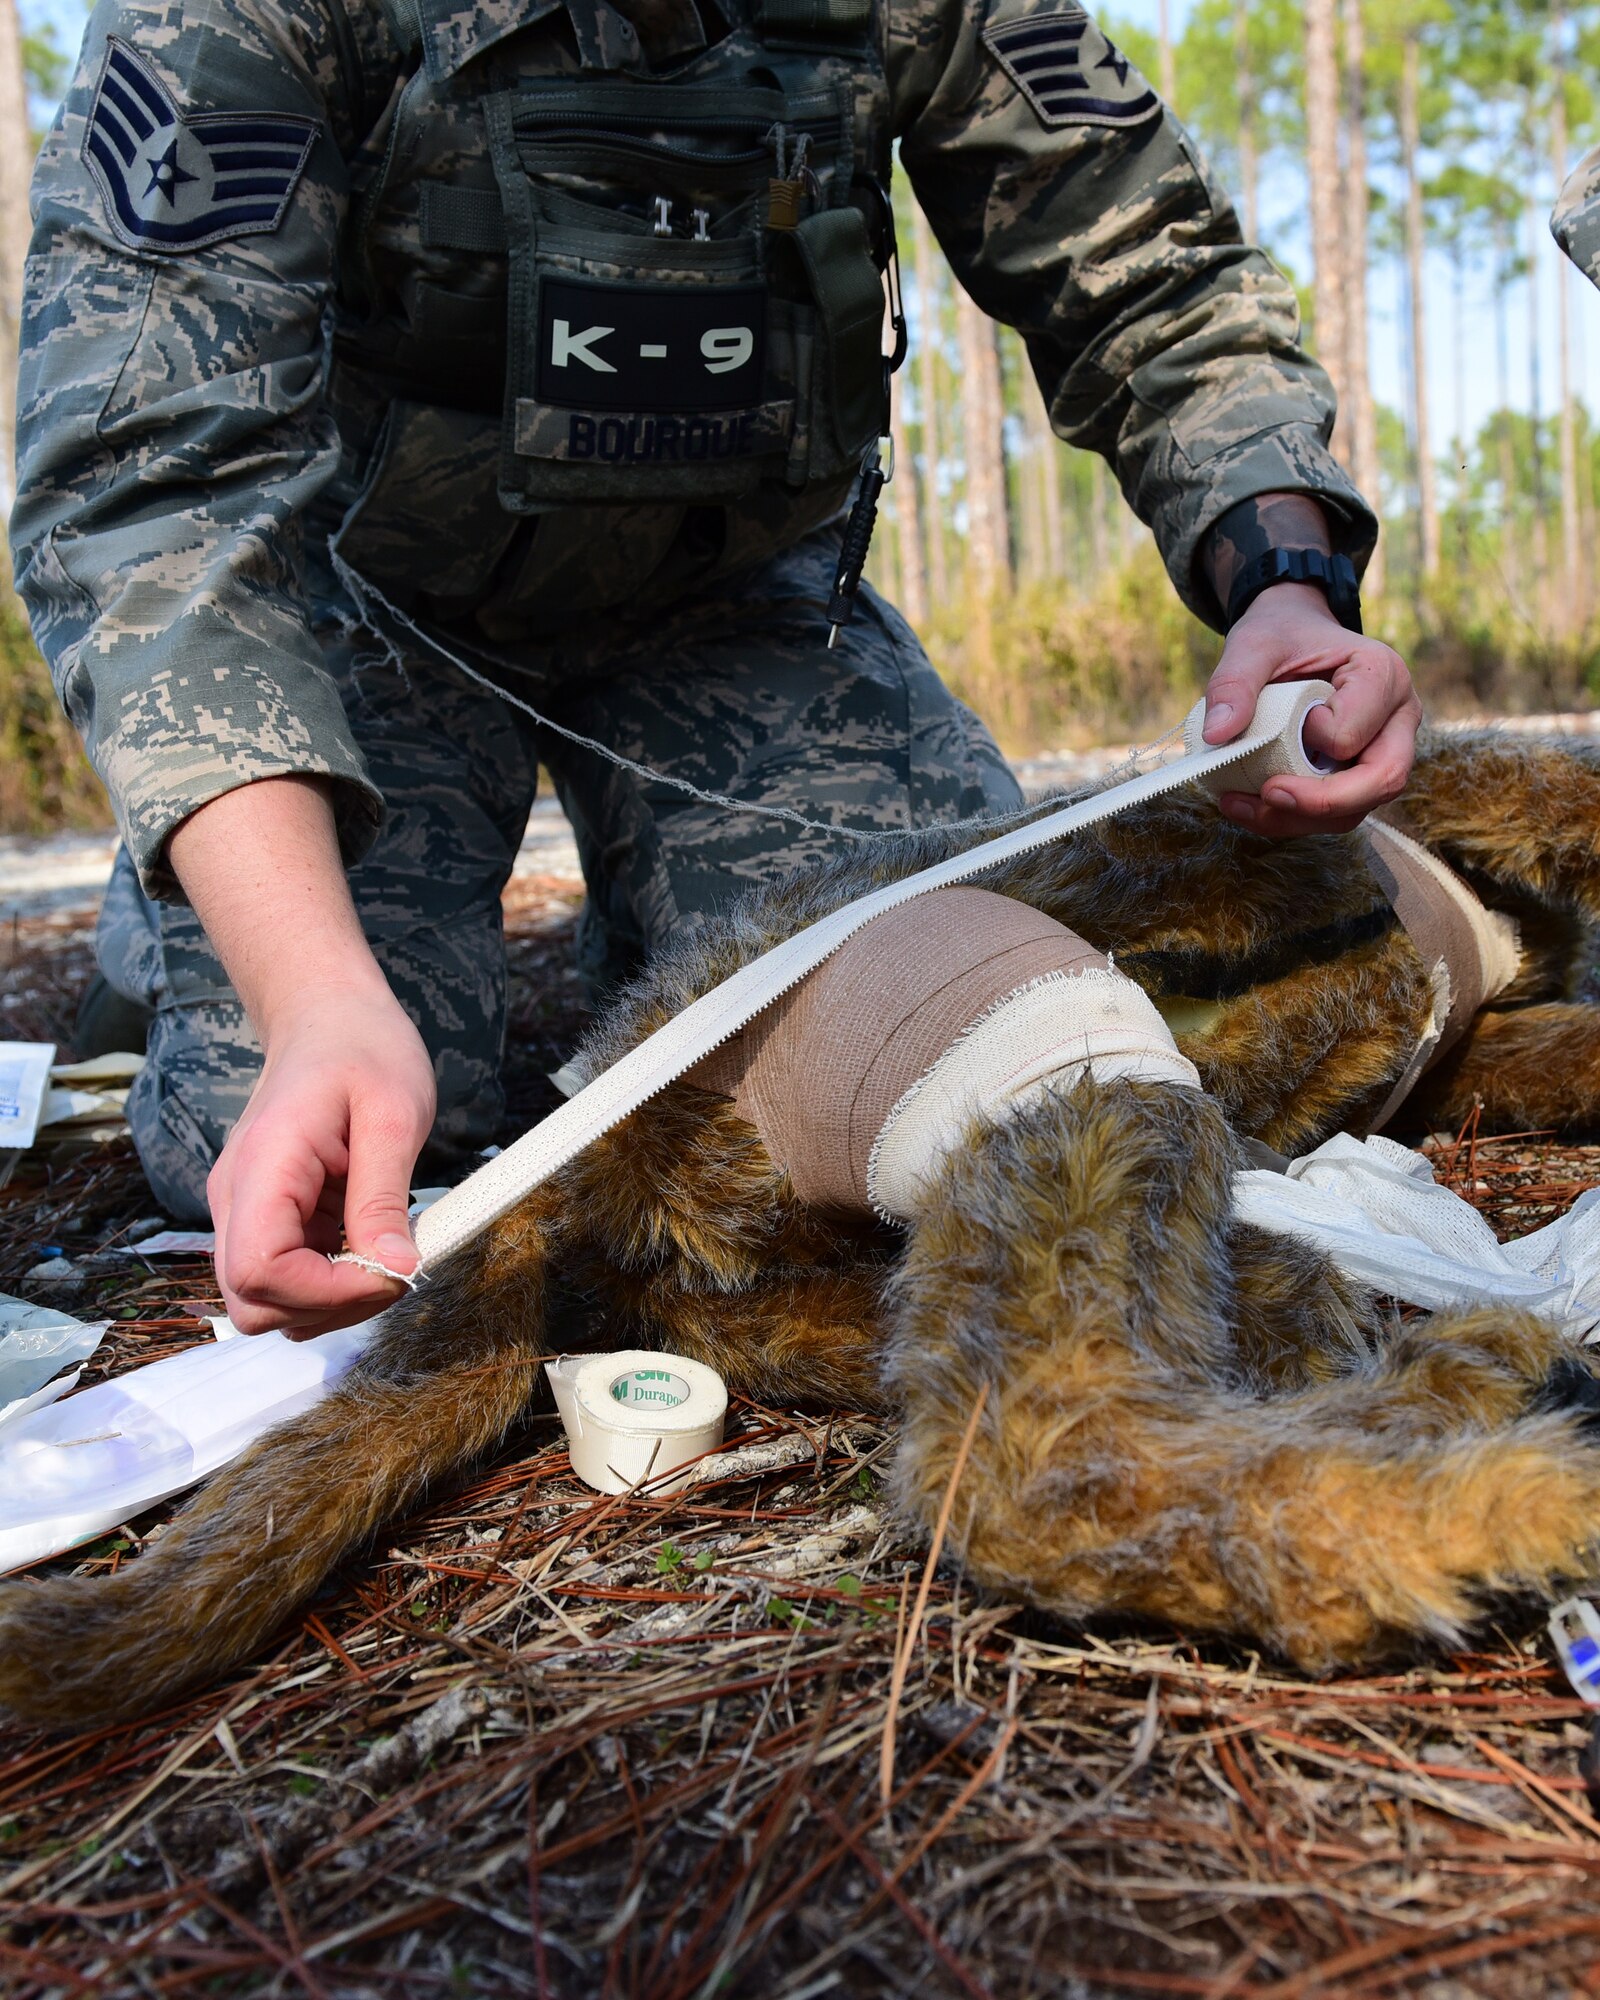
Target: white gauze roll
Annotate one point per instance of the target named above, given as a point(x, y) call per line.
point(634, 1415)
point(1281, 708)
point(1095, 1022)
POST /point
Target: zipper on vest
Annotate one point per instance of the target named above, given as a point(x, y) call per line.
point(652, 149)
point(615, 122)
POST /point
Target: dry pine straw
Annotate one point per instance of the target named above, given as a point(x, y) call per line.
point(543, 1742)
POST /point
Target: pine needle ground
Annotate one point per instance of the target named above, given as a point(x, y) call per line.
point(543, 1742)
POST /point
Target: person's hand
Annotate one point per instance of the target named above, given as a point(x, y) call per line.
point(345, 1098)
point(1289, 634)
point(343, 1104)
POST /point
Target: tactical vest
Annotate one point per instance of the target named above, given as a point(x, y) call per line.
point(576, 281)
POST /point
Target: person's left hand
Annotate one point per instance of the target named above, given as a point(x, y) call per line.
point(1289, 634)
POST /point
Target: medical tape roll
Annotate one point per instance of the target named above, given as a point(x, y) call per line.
point(1281, 708)
point(634, 1415)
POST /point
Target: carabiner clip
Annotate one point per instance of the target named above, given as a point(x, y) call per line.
point(887, 252)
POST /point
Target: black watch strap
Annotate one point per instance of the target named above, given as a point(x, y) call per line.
point(1335, 576)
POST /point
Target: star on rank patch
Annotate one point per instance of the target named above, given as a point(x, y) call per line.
point(1068, 70)
point(174, 182)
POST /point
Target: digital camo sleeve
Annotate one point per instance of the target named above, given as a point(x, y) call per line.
point(187, 204)
point(1576, 221)
point(1073, 207)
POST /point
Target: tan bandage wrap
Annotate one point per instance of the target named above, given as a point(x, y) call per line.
point(1471, 953)
point(820, 1072)
point(1090, 1023)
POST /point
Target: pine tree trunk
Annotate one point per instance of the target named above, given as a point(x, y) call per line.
point(1502, 345)
point(16, 168)
point(988, 538)
point(1038, 482)
point(1573, 609)
point(988, 553)
point(1361, 408)
point(930, 309)
point(1541, 523)
point(1099, 552)
point(1047, 452)
point(1322, 169)
point(907, 514)
point(1463, 500)
point(1249, 161)
point(1169, 66)
point(1410, 144)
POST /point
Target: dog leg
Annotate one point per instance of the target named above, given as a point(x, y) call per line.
point(1512, 811)
point(1298, 1321)
point(802, 1336)
point(452, 1365)
point(698, 1245)
point(1074, 1261)
point(1534, 1069)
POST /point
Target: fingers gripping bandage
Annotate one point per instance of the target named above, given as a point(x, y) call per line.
point(964, 1005)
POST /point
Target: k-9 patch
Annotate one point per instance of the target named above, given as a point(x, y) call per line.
point(177, 182)
point(1069, 71)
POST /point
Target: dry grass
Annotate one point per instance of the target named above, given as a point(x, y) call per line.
point(541, 1742)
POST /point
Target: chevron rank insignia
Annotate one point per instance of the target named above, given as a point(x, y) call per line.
point(1069, 71)
point(177, 182)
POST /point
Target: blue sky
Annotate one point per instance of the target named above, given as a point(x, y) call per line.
point(1282, 194)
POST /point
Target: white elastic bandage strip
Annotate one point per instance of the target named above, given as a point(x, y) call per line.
point(1056, 1031)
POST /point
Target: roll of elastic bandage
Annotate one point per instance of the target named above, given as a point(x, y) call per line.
point(1281, 707)
point(633, 1416)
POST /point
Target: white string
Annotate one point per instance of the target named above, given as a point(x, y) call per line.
point(410, 1279)
point(366, 594)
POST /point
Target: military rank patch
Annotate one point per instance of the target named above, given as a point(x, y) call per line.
point(1069, 71)
point(177, 183)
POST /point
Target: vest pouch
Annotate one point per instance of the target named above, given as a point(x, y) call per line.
point(848, 403)
point(426, 522)
point(641, 374)
point(658, 348)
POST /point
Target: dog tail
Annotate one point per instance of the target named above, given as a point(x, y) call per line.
point(450, 1368)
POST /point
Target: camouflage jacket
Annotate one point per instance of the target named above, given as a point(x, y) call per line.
point(267, 307)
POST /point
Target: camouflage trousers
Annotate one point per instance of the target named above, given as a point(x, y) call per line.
point(734, 692)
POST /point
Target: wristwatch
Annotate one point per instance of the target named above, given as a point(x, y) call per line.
point(1335, 576)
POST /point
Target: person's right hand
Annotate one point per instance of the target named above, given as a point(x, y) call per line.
point(345, 1097)
point(332, 1131)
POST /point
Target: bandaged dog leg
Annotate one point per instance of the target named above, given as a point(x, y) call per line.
point(958, 1006)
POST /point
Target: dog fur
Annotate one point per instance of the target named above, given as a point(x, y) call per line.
point(1187, 1418)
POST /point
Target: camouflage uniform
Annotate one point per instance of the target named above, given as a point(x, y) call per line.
point(310, 283)
point(1576, 221)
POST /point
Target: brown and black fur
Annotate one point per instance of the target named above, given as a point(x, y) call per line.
point(1187, 1418)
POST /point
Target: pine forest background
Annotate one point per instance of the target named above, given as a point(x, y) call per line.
point(1400, 162)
